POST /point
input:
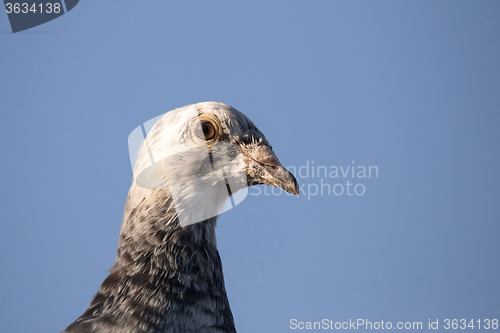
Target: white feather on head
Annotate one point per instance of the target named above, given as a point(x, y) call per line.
point(196, 172)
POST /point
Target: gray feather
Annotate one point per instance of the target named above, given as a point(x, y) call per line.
point(166, 278)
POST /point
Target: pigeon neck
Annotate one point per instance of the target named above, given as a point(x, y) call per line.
point(171, 275)
point(150, 226)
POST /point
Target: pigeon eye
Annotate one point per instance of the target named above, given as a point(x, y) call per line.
point(206, 130)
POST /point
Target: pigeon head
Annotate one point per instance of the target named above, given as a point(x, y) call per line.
point(205, 153)
point(168, 273)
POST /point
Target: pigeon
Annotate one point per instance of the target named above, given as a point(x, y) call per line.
point(168, 274)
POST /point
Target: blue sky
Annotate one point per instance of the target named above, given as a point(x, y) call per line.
point(409, 87)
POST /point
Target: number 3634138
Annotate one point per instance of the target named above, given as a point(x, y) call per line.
point(25, 8)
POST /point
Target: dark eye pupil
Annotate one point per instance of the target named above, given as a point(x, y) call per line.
point(206, 130)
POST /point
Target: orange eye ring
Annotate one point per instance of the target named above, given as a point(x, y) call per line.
point(207, 129)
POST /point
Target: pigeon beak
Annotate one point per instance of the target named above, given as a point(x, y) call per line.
point(265, 168)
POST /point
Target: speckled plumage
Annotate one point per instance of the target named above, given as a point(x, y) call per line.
point(168, 277)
